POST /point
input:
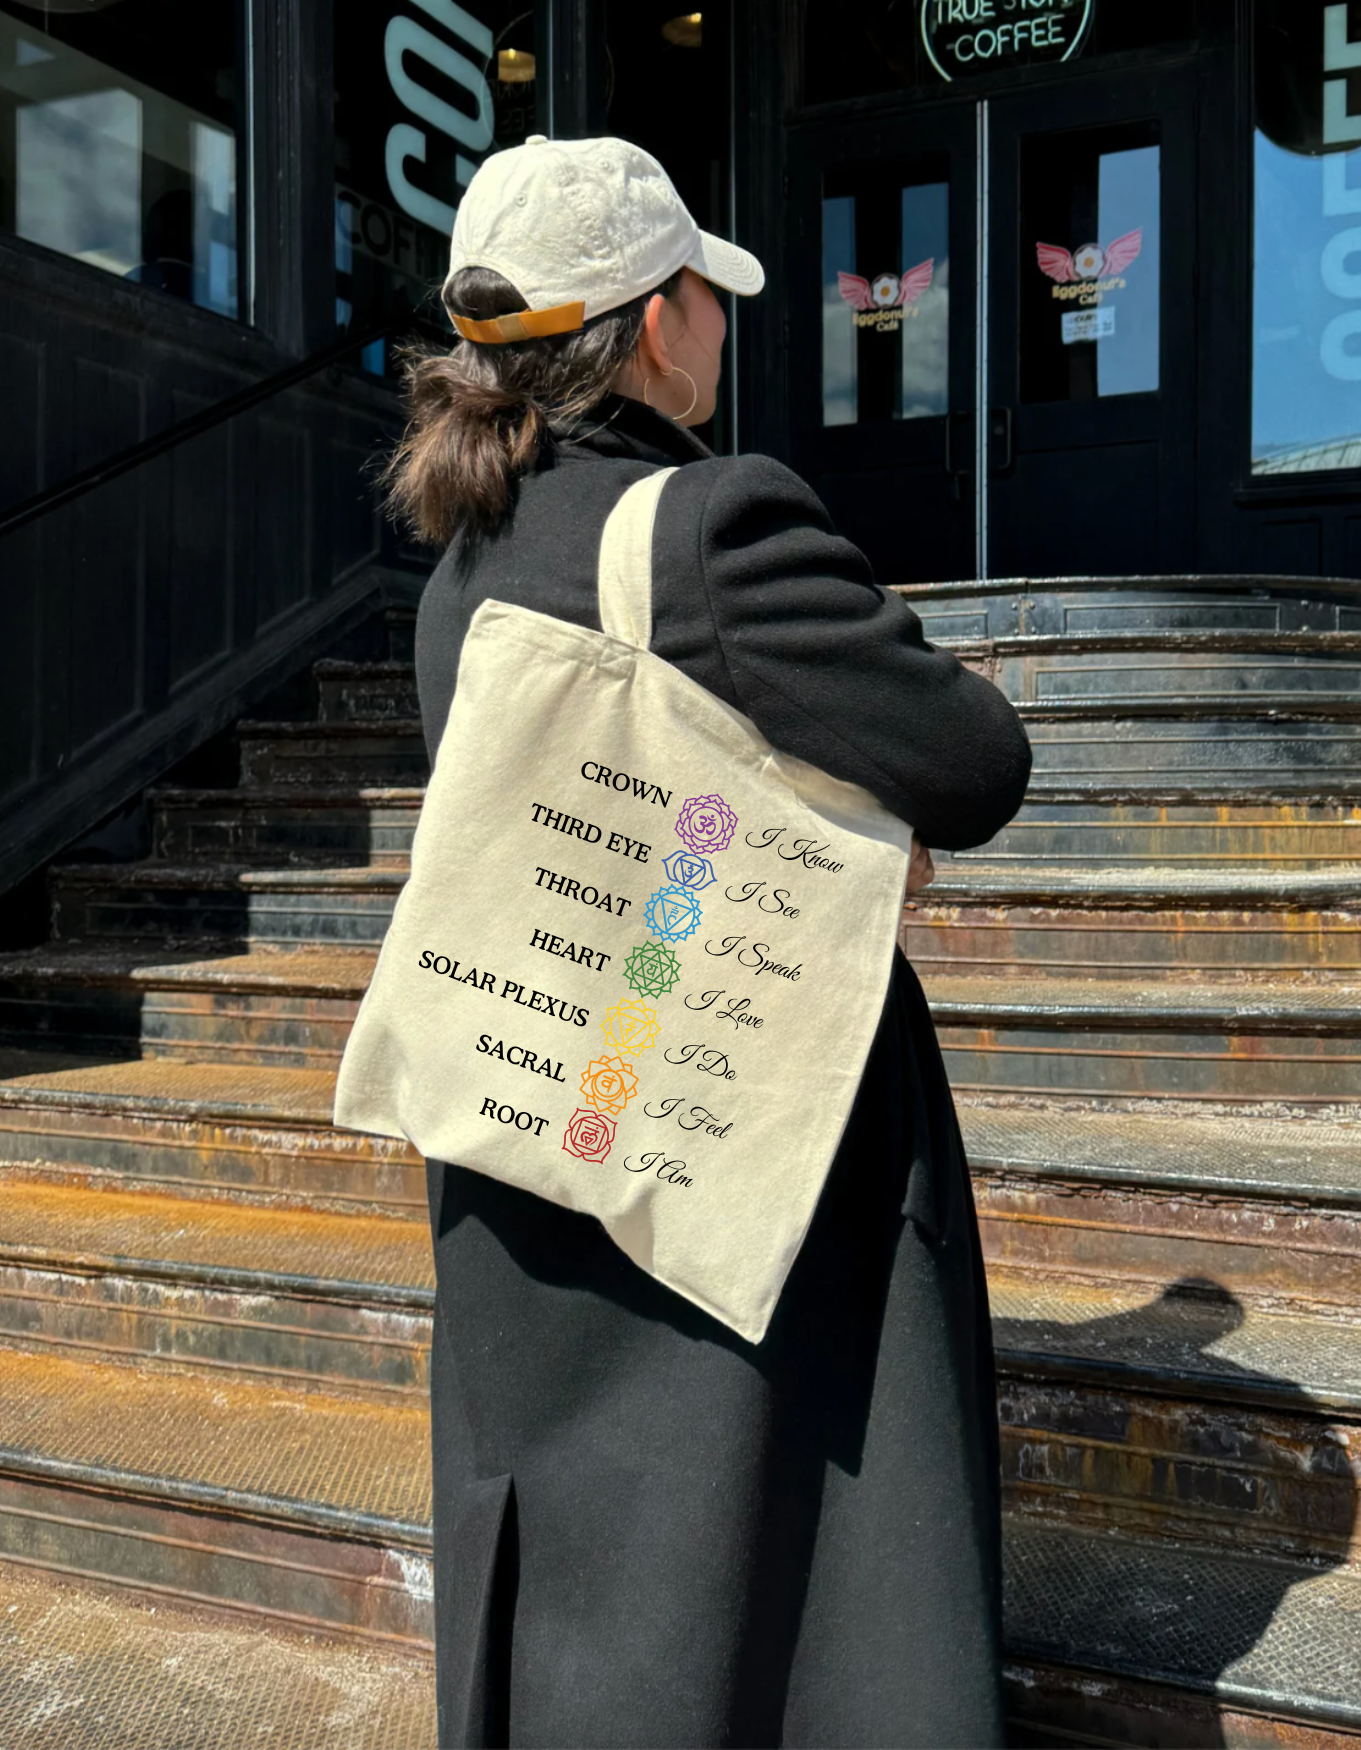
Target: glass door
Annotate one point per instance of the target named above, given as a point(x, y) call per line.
point(1090, 296)
point(992, 330)
point(881, 328)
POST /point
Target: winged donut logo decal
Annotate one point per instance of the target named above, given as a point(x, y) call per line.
point(1091, 270)
point(884, 301)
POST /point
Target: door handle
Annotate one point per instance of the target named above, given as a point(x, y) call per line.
point(1000, 448)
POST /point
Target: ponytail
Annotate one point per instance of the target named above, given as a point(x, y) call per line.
point(479, 415)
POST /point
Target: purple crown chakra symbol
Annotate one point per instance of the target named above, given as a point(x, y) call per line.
point(706, 824)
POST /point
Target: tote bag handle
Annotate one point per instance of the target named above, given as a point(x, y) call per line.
point(625, 570)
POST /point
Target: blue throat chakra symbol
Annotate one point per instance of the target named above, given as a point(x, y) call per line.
point(688, 870)
point(672, 914)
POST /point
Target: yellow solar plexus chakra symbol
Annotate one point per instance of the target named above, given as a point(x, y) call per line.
point(630, 1027)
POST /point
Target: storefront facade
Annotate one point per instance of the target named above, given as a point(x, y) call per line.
point(1056, 287)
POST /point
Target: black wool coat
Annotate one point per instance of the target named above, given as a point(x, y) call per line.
point(648, 1531)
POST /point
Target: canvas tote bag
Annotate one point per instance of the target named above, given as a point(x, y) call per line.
point(641, 955)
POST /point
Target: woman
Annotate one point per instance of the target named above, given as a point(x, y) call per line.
point(648, 1531)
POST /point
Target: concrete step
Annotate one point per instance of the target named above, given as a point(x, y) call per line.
point(1259, 1042)
point(316, 1300)
point(1108, 828)
point(359, 827)
point(246, 1134)
point(91, 1666)
point(1080, 922)
point(366, 692)
point(144, 901)
point(309, 1508)
point(390, 751)
point(288, 1007)
point(1269, 1646)
point(1268, 1209)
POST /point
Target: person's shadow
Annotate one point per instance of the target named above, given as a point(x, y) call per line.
point(1239, 1480)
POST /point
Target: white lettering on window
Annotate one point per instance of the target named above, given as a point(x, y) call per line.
point(471, 129)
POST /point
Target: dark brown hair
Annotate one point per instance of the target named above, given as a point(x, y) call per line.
point(478, 415)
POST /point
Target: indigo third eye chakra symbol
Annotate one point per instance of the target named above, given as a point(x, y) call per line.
point(687, 870)
point(651, 970)
point(706, 824)
point(672, 913)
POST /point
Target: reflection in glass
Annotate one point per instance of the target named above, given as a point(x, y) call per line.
point(1091, 239)
point(109, 167)
point(885, 298)
point(1306, 322)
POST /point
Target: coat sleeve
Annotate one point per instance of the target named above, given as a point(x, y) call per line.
point(834, 669)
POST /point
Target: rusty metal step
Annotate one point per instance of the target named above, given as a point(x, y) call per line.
point(308, 1507)
point(1270, 1210)
point(1270, 1637)
point(1196, 1339)
point(357, 827)
point(970, 612)
point(1266, 1042)
point(290, 1007)
point(1002, 918)
point(1260, 748)
point(1124, 828)
point(252, 1134)
point(90, 1666)
point(1047, 1706)
point(237, 903)
point(366, 692)
point(339, 1302)
point(390, 751)
point(1119, 1460)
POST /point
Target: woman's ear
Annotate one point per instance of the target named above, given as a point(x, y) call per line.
point(654, 355)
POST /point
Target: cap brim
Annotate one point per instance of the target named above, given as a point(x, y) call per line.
point(726, 265)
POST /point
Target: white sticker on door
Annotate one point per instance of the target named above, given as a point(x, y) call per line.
point(1088, 324)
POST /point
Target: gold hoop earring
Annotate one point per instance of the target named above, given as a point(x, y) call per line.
point(694, 394)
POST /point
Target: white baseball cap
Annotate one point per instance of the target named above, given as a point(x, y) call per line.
point(579, 227)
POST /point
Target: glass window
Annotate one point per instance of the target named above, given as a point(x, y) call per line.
point(885, 296)
point(1306, 330)
point(118, 140)
point(424, 90)
point(1089, 266)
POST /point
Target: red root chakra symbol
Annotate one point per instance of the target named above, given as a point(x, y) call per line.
point(588, 1135)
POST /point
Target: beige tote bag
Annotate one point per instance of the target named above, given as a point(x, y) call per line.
point(641, 956)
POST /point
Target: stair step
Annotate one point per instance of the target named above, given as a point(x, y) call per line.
point(1063, 921)
point(1259, 1041)
point(97, 1667)
point(1188, 1413)
point(244, 1133)
point(306, 1506)
point(1254, 1633)
point(390, 751)
point(368, 692)
point(1109, 829)
point(1066, 607)
point(260, 825)
point(156, 900)
point(339, 1302)
point(1195, 1339)
point(1206, 749)
point(291, 1007)
point(1270, 1210)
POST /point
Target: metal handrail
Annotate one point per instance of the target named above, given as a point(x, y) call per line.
point(99, 473)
